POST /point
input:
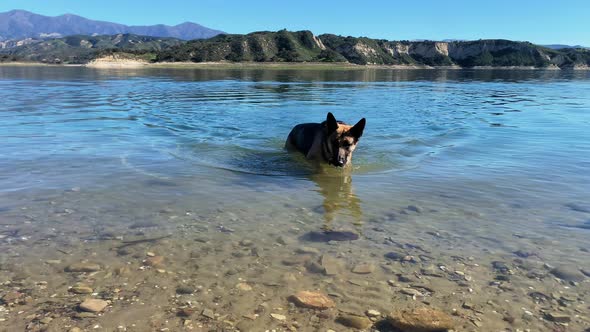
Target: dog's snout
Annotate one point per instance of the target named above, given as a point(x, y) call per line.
point(340, 161)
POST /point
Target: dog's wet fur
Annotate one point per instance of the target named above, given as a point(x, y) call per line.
point(330, 141)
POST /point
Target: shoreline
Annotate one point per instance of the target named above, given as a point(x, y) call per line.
point(137, 64)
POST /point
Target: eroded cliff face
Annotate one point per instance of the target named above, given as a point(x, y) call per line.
point(397, 53)
point(318, 42)
point(364, 49)
point(422, 49)
point(396, 49)
point(429, 49)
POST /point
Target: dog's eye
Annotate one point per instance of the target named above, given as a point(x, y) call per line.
point(346, 144)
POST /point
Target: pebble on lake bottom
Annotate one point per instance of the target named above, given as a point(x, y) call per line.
point(421, 319)
point(313, 300)
point(93, 305)
point(279, 317)
point(354, 321)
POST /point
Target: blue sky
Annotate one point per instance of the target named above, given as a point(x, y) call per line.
point(543, 22)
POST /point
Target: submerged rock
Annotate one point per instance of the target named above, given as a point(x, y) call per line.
point(83, 267)
point(411, 292)
point(93, 305)
point(246, 243)
point(312, 300)
point(327, 236)
point(314, 267)
point(414, 208)
point(46, 320)
point(278, 317)
point(525, 254)
point(154, 261)
point(396, 256)
point(84, 314)
point(184, 290)
point(244, 287)
point(354, 321)
point(208, 313)
point(81, 289)
point(568, 273)
point(307, 251)
point(284, 240)
point(363, 268)
point(373, 313)
point(421, 320)
point(501, 267)
point(558, 317)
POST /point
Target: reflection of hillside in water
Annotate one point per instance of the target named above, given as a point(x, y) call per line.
point(285, 74)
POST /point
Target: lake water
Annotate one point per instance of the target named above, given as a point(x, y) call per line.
point(477, 180)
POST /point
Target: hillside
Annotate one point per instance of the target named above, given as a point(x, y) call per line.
point(303, 46)
point(281, 46)
point(82, 49)
point(21, 24)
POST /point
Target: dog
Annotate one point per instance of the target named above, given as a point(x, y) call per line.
point(330, 141)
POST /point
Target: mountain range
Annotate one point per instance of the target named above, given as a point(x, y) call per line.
point(21, 24)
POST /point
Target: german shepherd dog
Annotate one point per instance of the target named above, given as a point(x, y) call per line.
point(330, 141)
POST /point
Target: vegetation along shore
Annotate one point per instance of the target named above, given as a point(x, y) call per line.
point(285, 48)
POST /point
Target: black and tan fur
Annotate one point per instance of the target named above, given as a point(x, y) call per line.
point(330, 141)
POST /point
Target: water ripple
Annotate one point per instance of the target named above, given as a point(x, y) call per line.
point(238, 120)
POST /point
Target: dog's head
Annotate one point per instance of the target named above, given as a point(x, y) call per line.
point(340, 140)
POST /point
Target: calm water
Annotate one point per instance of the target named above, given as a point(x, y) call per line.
point(486, 137)
point(497, 159)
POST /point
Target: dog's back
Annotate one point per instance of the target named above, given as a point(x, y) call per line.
point(302, 137)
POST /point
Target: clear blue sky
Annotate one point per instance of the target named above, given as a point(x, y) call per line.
point(543, 22)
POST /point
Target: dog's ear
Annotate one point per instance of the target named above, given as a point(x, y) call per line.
point(331, 123)
point(357, 130)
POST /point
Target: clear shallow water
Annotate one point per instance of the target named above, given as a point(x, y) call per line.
point(496, 159)
point(510, 133)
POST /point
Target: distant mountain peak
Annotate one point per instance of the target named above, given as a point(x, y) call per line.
point(15, 11)
point(21, 24)
point(562, 46)
point(69, 15)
